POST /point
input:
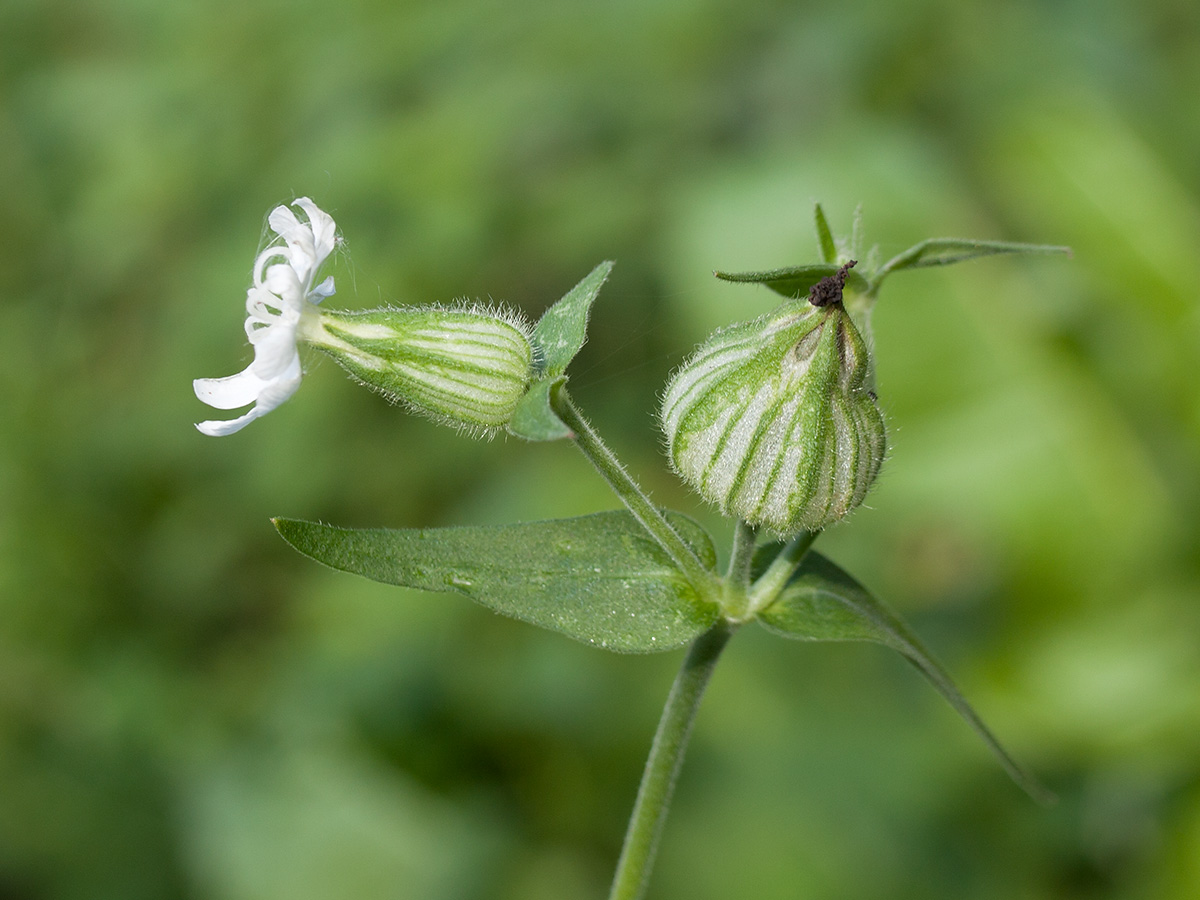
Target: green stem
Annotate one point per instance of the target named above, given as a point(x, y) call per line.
point(664, 762)
point(737, 580)
point(648, 515)
point(744, 538)
point(764, 591)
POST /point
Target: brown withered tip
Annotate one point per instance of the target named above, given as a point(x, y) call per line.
point(828, 290)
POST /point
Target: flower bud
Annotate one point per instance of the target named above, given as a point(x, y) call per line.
point(465, 367)
point(773, 421)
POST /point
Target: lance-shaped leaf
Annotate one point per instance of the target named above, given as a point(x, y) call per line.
point(562, 330)
point(795, 281)
point(823, 603)
point(558, 336)
point(599, 579)
point(946, 251)
point(824, 236)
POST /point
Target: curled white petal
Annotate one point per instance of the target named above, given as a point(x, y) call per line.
point(323, 229)
point(282, 281)
point(271, 394)
point(281, 294)
point(222, 427)
point(231, 391)
point(294, 233)
point(308, 244)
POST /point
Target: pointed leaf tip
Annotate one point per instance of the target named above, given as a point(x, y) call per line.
point(822, 602)
point(562, 330)
point(825, 239)
point(558, 336)
point(947, 251)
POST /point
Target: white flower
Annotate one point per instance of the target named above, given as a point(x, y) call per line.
point(278, 304)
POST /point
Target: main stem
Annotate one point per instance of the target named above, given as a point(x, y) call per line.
point(664, 762)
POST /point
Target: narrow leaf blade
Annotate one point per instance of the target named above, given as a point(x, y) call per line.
point(795, 281)
point(822, 602)
point(599, 579)
point(824, 236)
point(562, 330)
point(947, 251)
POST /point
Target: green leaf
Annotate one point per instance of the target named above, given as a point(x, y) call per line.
point(823, 603)
point(946, 251)
point(599, 579)
point(558, 336)
point(534, 419)
point(795, 281)
point(825, 236)
point(562, 330)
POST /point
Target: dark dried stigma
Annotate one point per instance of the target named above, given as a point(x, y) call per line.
point(828, 290)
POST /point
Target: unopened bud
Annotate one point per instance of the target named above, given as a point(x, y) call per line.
point(773, 421)
point(462, 367)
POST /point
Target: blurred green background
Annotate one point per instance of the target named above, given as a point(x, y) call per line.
point(188, 709)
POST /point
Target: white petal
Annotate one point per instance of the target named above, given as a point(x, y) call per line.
point(282, 282)
point(272, 395)
point(222, 427)
point(256, 329)
point(231, 391)
point(256, 322)
point(280, 389)
point(285, 224)
point(259, 330)
point(258, 299)
point(270, 253)
point(324, 230)
point(274, 351)
point(301, 243)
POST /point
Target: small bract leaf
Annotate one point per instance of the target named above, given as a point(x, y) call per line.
point(823, 603)
point(562, 330)
point(599, 579)
point(557, 337)
point(825, 236)
point(795, 281)
point(534, 419)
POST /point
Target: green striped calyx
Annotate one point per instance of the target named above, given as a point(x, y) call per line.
point(773, 420)
point(465, 367)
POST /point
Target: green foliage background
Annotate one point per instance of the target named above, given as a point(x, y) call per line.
point(188, 709)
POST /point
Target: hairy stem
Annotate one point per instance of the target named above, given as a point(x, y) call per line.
point(737, 579)
point(648, 515)
point(764, 591)
point(744, 538)
point(664, 762)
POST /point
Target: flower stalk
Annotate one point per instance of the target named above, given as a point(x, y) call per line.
point(771, 583)
point(631, 494)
